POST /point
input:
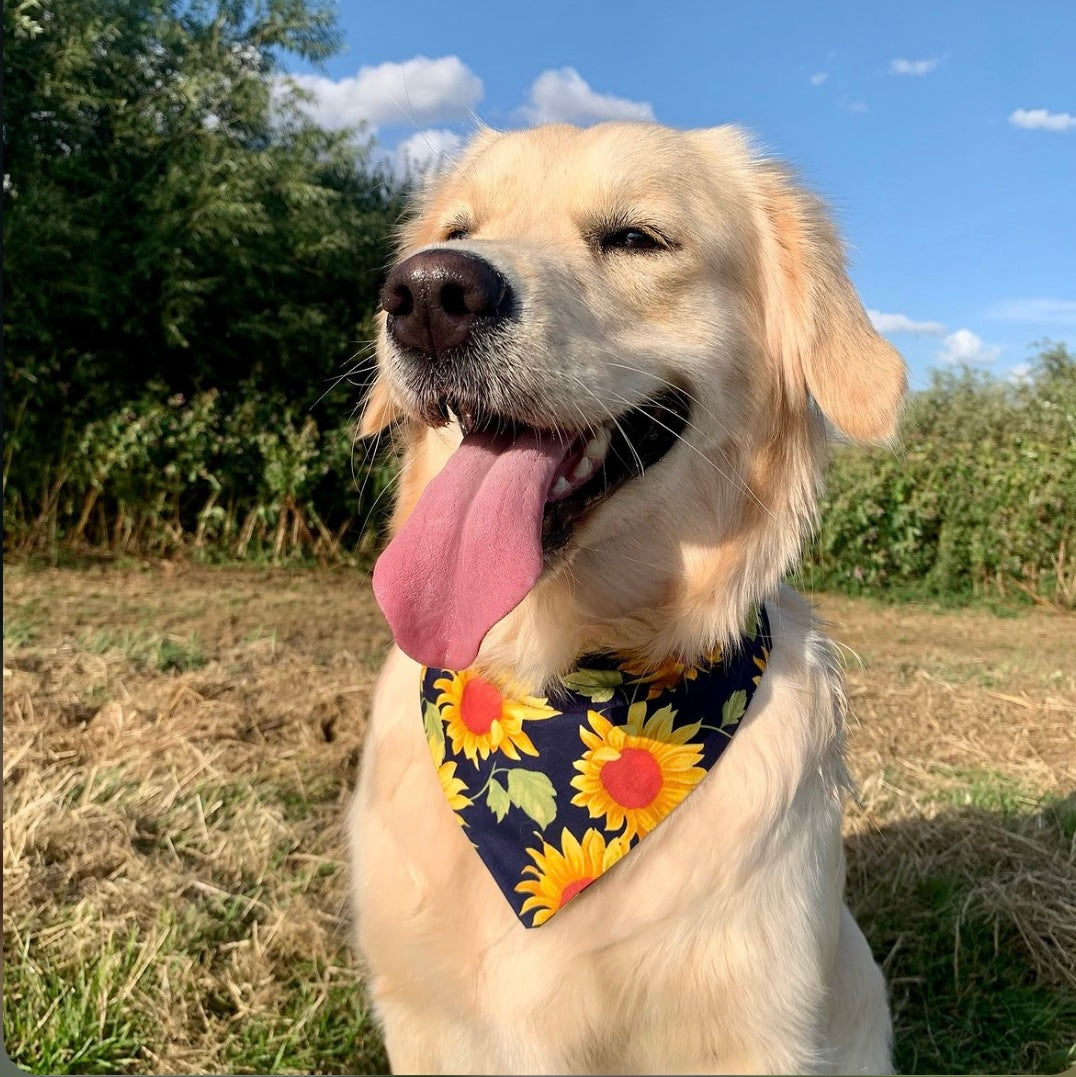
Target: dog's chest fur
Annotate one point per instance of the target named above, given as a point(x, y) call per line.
point(686, 903)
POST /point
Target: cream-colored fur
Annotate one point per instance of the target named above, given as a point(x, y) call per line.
point(721, 943)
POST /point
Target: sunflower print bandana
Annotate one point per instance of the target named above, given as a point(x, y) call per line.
point(552, 791)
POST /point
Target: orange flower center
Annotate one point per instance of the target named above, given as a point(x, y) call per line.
point(634, 779)
point(480, 705)
point(573, 888)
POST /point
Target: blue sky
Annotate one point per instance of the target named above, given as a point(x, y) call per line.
point(943, 135)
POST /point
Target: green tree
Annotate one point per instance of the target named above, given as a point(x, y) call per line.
point(172, 217)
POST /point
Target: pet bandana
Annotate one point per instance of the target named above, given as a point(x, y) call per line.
point(552, 791)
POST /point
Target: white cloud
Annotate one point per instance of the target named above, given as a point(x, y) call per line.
point(1020, 374)
point(857, 106)
point(1061, 311)
point(818, 78)
point(426, 153)
point(563, 96)
point(912, 67)
point(901, 323)
point(416, 91)
point(1039, 119)
point(964, 346)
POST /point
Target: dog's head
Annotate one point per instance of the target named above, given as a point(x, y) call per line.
point(635, 332)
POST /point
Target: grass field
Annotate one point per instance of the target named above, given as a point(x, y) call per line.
point(179, 746)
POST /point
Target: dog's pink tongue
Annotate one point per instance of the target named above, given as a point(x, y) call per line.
point(471, 549)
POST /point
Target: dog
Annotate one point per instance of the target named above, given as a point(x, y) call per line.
point(610, 356)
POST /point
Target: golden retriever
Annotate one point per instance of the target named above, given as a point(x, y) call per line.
point(676, 295)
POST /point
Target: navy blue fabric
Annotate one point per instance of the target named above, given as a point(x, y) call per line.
point(519, 812)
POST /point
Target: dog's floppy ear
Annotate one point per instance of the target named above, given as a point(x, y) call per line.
point(814, 321)
point(379, 409)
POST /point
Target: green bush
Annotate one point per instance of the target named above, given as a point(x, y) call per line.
point(980, 497)
point(164, 474)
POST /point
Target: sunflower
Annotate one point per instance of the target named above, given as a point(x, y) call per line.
point(559, 874)
point(635, 774)
point(482, 720)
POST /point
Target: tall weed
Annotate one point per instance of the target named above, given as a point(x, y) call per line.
point(165, 474)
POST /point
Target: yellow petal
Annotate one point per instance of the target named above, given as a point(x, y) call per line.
point(599, 723)
point(604, 755)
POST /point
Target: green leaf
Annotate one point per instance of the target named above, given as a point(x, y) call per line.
point(533, 792)
point(497, 798)
point(596, 684)
point(733, 709)
point(435, 731)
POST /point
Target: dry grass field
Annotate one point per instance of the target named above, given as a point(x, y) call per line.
point(179, 745)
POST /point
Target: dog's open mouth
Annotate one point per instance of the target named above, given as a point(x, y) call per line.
point(599, 462)
point(485, 527)
point(596, 462)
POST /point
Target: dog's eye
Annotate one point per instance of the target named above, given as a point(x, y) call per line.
point(457, 233)
point(630, 239)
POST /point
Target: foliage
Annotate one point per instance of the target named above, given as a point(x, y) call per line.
point(980, 498)
point(171, 219)
point(163, 474)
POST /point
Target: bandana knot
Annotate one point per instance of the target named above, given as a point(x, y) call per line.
point(553, 790)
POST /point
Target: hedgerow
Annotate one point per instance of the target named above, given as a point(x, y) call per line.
point(978, 498)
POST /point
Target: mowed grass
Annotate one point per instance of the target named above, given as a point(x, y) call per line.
point(961, 848)
point(178, 755)
point(180, 744)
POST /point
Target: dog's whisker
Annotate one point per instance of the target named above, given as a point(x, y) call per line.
point(363, 362)
point(371, 450)
point(696, 401)
point(614, 419)
point(388, 488)
point(735, 479)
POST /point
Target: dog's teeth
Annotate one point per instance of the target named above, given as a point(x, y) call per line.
point(583, 470)
point(597, 447)
point(561, 487)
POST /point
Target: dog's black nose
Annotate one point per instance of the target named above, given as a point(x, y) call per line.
point(435, 298)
